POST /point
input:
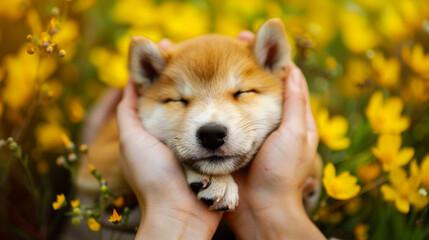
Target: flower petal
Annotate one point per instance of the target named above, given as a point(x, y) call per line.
point(403, 205)
point(329, 170)
point(398, 177)
point(404, 156)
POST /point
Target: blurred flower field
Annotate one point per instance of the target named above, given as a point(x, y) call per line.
point(367, 64)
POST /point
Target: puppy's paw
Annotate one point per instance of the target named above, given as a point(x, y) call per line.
point(214, 192)
point(196, 181)
point(219, 192)
point(230, 198)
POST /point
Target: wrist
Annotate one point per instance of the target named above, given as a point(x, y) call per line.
point(281, 218)
point(162, 225)
point(163, 222)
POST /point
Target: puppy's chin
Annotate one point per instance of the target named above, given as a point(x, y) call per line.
point(218, 164)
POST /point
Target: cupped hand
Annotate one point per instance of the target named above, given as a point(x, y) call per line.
point(170, 210)
point(271, 188)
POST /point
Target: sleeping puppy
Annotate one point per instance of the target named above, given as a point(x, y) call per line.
point(212, 100)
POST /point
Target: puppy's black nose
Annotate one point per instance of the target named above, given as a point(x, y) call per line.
point(212, 136)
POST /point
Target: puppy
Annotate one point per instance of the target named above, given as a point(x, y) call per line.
point(212, 100)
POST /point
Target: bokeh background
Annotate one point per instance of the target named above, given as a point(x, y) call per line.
point(366, 61)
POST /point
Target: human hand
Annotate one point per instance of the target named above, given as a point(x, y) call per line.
point(169, 208)
point(271, 188)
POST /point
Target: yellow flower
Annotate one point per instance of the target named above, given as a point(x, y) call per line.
point(403, 191)
point(21, 71)
point(173, 16)
point(93, 224)
point(66, 140)
point(361, 231)
point(332, 131)
point(119, 202)
point(314, 19)
point(358, 34)
point(13, 10)
point(331, 63)
point(67, 37)
point(115, 217)
point(355, 79)
point(59, 203)
point(342, 187)
point(75, 203)
point(385, 116)
point(33, 21)
point(392, 25)
point(229, 25)
point(135, 12)
point(388, 152)
point(353, 206)
point(75, 109)
point(112, 66)
point(419, 89)
point(386, 70)
point(368, 172)
point(416, 59)
point(49, 136)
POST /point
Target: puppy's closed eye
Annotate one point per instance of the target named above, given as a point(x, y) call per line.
point(176, 100)
point(241, 92)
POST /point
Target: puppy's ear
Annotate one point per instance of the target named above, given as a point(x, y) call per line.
point(271, 46)
point(146, 61)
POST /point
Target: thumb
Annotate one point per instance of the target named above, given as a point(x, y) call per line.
point(128, 120)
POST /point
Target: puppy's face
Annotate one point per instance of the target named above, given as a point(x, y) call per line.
point(212, 100)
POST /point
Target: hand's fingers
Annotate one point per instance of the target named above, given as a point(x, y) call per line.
point(165, 44)
point(294, 106)
point(101, 110)
point(312, 133)
point(246, 36)
point(128, 120)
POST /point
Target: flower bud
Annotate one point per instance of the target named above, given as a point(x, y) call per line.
point(76, 211)
point(127, 211)
point(13, 146)
point(72, 157)
point(88, 213)
point(55, 11)
point(49, 49)
point(30, 48)
point(62, 53)
point(75, 221)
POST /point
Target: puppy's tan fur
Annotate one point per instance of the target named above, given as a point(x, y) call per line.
point(205, 80)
